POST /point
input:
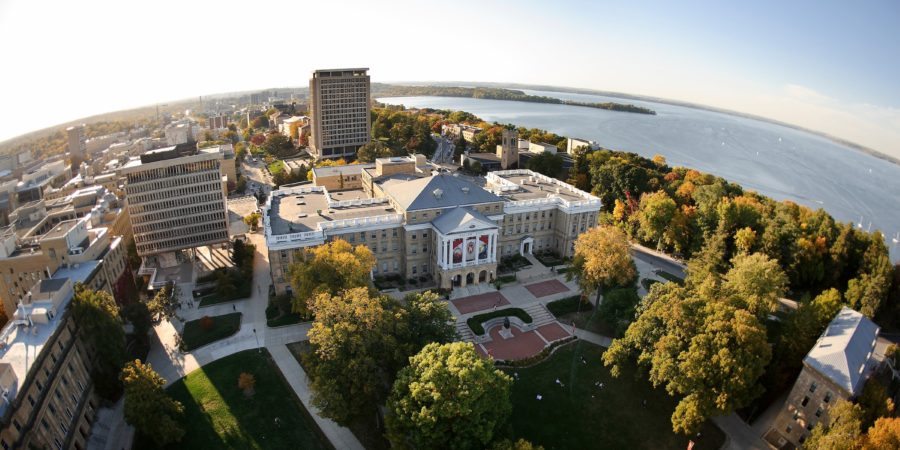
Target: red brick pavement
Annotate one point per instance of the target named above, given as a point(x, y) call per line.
point(479, 302)
point(545, 288)
point(553, 332)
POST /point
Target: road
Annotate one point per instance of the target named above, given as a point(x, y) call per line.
point(659, 260)
point(258, 177)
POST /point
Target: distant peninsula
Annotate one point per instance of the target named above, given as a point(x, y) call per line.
point(493, 93)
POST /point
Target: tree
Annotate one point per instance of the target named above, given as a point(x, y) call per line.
point(656, 212)
point(164, 304)
point(278, 144)
point(698, 344)
point(258, 139)
point(874, 402)
point(352, 345)
point(99, 325)
point(252, 220)
point(744, 239)
point(549, 164)
point(330, 268)
point(425, 319)
point(448, 397)
point(476, 168)
point(602, 260)
point(755, 283)
point(840, 431)
point(247, 383)
point(148, 408)
point(372, 150)
point(521, 444)
point(885, 435)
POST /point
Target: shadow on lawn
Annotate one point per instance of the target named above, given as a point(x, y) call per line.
point(218, 415)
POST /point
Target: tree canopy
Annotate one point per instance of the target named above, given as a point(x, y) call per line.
point(602, 260)
point(448, 397)
point(361, 340)
point(330, 268)
point(549, 164)
point(100, 326)
point(148, 408)
point(704, 342)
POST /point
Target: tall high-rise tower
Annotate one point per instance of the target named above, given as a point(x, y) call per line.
point(339, 103)
point(76, 146)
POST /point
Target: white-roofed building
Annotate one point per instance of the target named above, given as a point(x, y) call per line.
point(836, 368)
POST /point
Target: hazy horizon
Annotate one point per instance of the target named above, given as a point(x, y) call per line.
point(826, 66)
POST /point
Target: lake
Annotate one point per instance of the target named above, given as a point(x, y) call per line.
point(774, 160)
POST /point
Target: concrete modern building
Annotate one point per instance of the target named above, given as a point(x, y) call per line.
point(48, 398)
point(339, 112)
point(176, 199)
point(76, 144)
point(217, 122)
point(836, 368)
point(421, 223)
point(573, 144)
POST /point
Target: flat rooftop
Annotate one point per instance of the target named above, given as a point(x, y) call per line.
point(537, 189)
point(295, 213)
point(22, 345)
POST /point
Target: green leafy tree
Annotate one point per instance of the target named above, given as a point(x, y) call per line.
point(745, 239)
point(372, 150)
point(424, 319)
point(252, 220)
point(521, 444)
point(448, 397)
point(700, 346)
point(755, 283)
point(330, 268)
point(656, 212)
point(148, 408)
point(602, 260)
point(100, 327)
point(164, 304)
point(875, 402)
point(353, 345)
point(549, 164)
point(840, 432)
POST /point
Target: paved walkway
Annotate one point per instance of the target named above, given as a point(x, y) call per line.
point(740, 435)
point(341, 438)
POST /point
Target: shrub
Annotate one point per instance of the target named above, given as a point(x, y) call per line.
point(568, 305)
point(207, 323)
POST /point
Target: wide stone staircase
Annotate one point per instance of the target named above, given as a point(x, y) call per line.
point(464, 332)
point(540, 316)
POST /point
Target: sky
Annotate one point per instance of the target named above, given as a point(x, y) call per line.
point(831, 66)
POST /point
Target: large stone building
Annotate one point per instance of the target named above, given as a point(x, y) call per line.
point(339, 103)
point(836, 368)
point(176, 199)
point(48, 398)
point(425, 224)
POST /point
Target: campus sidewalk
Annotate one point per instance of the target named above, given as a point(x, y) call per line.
point(340, 437)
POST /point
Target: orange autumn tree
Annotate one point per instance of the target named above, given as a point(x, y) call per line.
point(602, 260)
point(329, 268)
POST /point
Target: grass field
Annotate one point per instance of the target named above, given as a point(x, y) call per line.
point(276, 167)
point(223, 326)
point(581, 415)
point(218, 415)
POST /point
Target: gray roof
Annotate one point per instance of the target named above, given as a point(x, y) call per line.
point(52, 284)
point(347, 169)
point(454, 191)
point(844, 350)
point(462, 218)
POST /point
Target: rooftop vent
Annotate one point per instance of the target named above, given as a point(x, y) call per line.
point(438, 193)
point(465, 189)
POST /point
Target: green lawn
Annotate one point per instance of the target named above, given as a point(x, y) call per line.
point(217, 415)
point(195, 336)
point(581, 415)
point(276, 167)
point(274, 317)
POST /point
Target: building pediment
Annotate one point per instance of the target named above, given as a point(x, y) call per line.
point(462, 220)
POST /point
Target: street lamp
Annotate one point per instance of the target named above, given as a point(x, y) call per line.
point(258, 348)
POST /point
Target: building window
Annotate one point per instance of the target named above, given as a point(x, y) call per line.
point(812, 387)
point(424, 268)
point(827, 397)
point(805, 401)
point(413, 236)
point(414, 270)
point(424, 235)
point(819, 412)
point(809, 426)
point(788, 429)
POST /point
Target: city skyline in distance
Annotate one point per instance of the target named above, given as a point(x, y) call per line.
point(826, 67)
